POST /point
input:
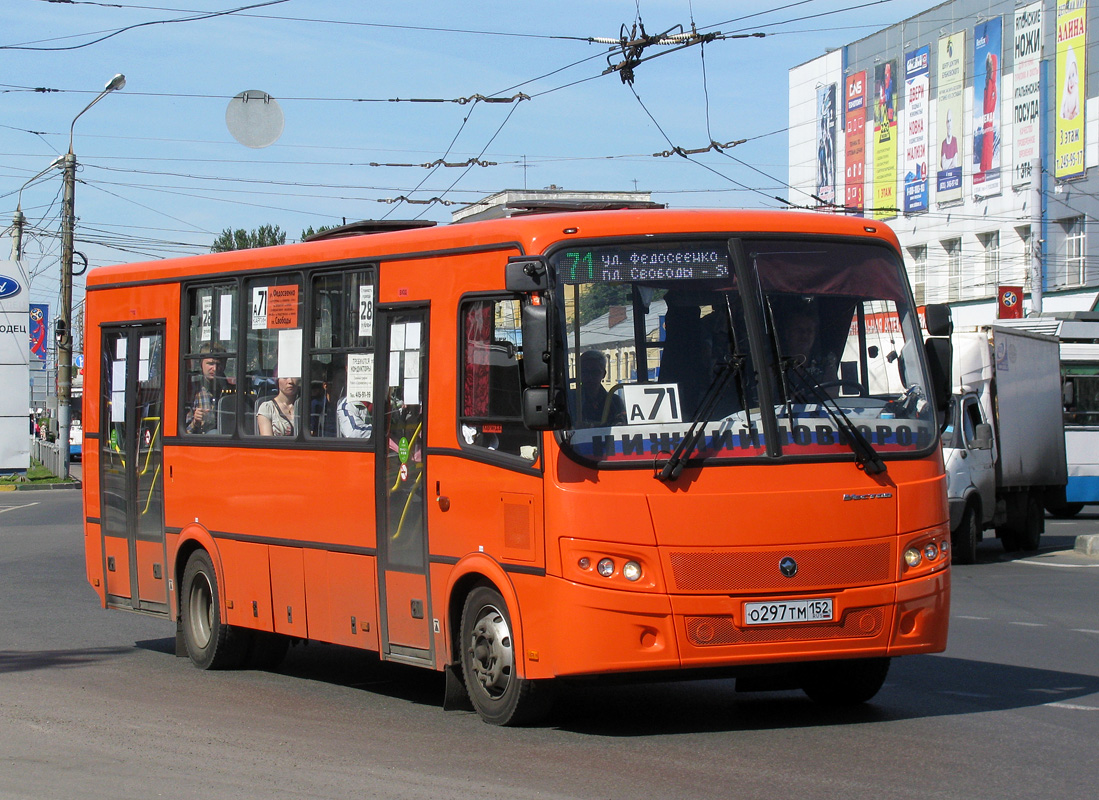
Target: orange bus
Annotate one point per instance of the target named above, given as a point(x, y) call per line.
point(649, 442)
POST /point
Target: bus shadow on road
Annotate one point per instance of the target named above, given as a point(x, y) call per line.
point(918, 687)
point(28, 660)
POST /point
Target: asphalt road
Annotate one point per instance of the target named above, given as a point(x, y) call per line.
point(94, 704)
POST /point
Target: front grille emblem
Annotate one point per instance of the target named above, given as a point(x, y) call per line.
point(788, 567)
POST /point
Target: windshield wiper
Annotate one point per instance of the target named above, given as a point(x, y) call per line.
point(730, 365)
point(865, 454)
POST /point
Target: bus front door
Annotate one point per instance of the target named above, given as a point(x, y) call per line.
point(402, 533)
point(130, 474)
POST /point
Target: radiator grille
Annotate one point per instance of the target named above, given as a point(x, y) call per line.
point(857, 623)
point(751, 571)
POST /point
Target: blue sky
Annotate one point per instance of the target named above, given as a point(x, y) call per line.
point(161, 175)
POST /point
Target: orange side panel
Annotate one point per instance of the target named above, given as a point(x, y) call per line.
point(152, 583)
point(93, 560)
point(342, 598)
point(118, 579)
point(288, 591)
point(401, 589)
point(246, 584)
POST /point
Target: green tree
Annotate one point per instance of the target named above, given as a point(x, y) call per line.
point(305, 234)
point(240, 239)
point(599, 297)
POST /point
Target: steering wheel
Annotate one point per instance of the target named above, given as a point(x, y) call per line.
point(608, 402)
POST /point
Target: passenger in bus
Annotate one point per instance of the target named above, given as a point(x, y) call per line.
point(278, 415)
point(209, 386)
point(594, 406)
point(351, 419)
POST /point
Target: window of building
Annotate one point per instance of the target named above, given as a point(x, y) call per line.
point(990, 242)
point(491, 395)
point(209, 381)
point(918, 256)
point(953, 248)
point(1074, 250)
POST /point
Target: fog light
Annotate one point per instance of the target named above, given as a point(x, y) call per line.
point(930, 551)
point(584, 563)
point(945, 547)
point(912, 557)
point(631, 571)
point(605, 567)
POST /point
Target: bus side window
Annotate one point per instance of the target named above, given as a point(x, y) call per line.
point(491, 394)
point(273, 358)
point(209, 377)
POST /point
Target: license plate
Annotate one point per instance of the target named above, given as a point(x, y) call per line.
point(782, 612)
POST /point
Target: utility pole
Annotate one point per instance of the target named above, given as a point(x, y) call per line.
point(64, 317)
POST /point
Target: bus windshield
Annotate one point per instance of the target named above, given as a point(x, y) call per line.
point(750, 348)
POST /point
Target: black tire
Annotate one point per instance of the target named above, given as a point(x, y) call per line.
point(844, 683)
point(963, 541)
point(1031, 534)
point(1064, 510)
point(211, 644)
point(497, 692)
point(1010, 536)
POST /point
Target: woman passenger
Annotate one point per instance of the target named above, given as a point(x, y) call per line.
point(277, 416)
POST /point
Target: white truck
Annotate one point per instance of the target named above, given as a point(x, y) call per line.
point(1004, 443)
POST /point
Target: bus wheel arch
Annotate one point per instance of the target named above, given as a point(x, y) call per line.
point(209, 641)
point(491, 659)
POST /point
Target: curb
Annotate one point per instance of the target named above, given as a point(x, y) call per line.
point(39, 487)
point(1088, 544)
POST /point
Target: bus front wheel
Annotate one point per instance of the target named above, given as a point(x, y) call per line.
point(844, 682)
point(211, 643)
point(499, 695)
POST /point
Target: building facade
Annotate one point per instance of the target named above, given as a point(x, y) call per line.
point(968, 129)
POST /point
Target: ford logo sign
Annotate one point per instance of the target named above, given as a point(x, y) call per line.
point(9, 287)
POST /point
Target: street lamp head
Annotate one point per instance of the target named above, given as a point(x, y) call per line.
point(117, 82)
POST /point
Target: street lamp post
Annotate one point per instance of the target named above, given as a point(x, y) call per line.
point(64, 319)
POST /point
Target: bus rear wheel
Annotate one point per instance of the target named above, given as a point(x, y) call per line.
point(211, 644)
point(499, 695)
point(845, 682)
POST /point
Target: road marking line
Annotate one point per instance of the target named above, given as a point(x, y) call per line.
point(13, 508)
point(1028, 624)
point(964, 616)
point(1071, 706)
point(965, 694)
point(1084, 630)
point(1062, 566)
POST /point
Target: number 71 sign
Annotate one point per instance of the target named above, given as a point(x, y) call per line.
point(651, 402)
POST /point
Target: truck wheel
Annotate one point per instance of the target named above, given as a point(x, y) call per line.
point(211, 643)
point(964, 540)
point(1032, 526)
point(845, 682)
point(497, 692)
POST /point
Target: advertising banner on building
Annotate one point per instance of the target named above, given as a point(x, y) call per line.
point(948, 178)
point(987, 40)
point(1071, 72)
point(1026, 114)
point(917, 90)
point(826, 142)
point(855, 150)
point(885, 140)
point(14, 373)
point(1009, 302)
point(40, 328)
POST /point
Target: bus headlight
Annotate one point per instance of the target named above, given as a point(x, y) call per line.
point(605, 567)
point(930, 551)
point(631, 571)
point(912, 557)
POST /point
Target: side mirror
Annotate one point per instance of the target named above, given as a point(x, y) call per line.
point(939, 354)
point(536, 343)
point(938, 320)
point(526, 274)
point(542, 372)
point(982, 438)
